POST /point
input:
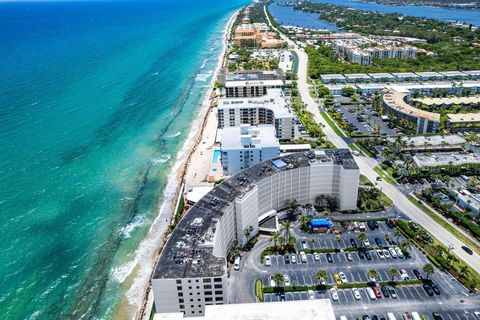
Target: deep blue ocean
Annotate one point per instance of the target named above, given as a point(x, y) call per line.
point(96, 99)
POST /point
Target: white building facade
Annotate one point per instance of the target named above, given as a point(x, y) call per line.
point(191, 272)
point(245, 146)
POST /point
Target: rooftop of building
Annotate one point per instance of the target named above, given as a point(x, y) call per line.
point(406, 74)
point(429, 74)
point(259, 137)
point(332, 76)
point(448, 100)
point(274, 100)
point(188, 253)
point(420, 141)
point(249, 83)
point(381, 75)
point(472, 72)
point(463, 117)
point(444, 159)
point(453, 73)
point(396, 100)
point(319, 309)
point(357, 76)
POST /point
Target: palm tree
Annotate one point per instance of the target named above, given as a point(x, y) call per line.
point(248, 232)
point(275, 239)
point(372, 274)
point(281, 241)
point(321, 276)
point(362, 236)
point(338, 239)
point(304, 220)
point(428, 269)
point(278, 278)
point(407, 245)
point(393, 272)
point(464, 270)
point(398, 233)
point(287, 229)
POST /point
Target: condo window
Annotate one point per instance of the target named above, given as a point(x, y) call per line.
point(179, 288)
point(217, 279)
point(208, 299)
point(218, 286)
point(208, 293)
point(207, 280)
point(179, 281)
point(207, 286)
point(180, 294)
point(219, 292)
point(219, 299)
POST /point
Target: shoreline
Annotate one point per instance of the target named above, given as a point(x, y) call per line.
point(141, 305)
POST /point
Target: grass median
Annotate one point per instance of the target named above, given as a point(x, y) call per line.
point(447, 226)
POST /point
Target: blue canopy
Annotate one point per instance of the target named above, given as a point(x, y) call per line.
point(321, 223)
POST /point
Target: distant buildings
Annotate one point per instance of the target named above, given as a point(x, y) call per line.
point(444, 159)
point(430, 143)
point(364, 49)
point(400, 77)
point(254, 88)
point(246, 146)
point(191, 272)
point(256, 35)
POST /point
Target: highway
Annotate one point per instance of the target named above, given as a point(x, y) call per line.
point(367, 164)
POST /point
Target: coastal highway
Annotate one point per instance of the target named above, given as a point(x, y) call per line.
point(367, 164)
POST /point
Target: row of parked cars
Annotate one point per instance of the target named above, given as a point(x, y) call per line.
point(405, 316)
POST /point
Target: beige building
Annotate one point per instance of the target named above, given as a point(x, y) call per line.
point(256, 35)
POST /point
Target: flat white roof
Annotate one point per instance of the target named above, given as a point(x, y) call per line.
point(197, 193)
point(357, 76)
point(285, 310)
point(381, 75)
point(273, 100)
point(472, 72)
point(443, 159)
point(453, 73)
point(435, 140)
point(406, 74)
point(332, 76)
point(261, 136)
point(463, 117)
point(240, 83)
point(429, 74)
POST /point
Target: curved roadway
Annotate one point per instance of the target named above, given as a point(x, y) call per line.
point(367, 164)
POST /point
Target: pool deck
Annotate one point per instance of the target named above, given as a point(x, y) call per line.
point(216, 171)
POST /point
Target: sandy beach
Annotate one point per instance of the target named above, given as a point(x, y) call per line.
point(190, 169)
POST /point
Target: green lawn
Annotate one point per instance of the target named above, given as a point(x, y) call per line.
point(445, 224)
point(332, 124)
point(385, 176)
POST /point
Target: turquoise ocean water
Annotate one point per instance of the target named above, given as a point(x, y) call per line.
point(96, 99)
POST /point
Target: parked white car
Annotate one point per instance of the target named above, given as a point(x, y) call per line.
point(316, 256)
point(356, 294)
point(303, 256)
point(399, 252)
point(393, 253)
point(386, 253)
point(334, 294)
point(311, 295)
point(343, 277)
point(236, 263)
point(380, 254)
point(268, 260)
point(273, 284)
point(286, 280)
point(294, 258)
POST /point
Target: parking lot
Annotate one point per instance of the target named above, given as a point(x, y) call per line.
point(355, 267)
point(365, 120)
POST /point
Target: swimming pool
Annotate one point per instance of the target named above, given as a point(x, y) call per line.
point(216, 155)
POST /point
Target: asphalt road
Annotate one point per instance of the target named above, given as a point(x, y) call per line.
point(367, 164)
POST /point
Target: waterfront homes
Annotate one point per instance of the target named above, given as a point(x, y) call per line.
point(191, 272)
point(256, 35)
point(273, 108)
point(245, 146)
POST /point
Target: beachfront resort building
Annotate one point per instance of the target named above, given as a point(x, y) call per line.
point(245, 146)
point(272, 108)
point(191, 272)
point(256, 35)
point(249, 88)
point(249, 75)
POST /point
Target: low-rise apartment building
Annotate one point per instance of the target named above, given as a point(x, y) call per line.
point(246, 146)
